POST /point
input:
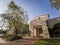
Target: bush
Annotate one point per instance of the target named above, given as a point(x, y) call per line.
point(11, 37)
point(15, 38)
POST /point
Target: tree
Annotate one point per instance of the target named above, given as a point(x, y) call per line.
point(55, 3)
point(25, 29)
point(15, 17)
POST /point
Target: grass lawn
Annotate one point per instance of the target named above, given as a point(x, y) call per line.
point(47, 42)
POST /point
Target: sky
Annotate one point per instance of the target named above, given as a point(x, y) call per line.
point(33, 8)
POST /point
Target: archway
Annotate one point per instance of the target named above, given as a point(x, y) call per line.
point(56, 30)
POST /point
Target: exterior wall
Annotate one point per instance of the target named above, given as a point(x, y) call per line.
point(34, 32)
point(52, 22)
point(39, 20)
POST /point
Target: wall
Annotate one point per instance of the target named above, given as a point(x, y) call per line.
point(52, 22)
point(40, 20)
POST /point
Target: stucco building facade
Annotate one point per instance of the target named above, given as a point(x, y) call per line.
point(40, 26)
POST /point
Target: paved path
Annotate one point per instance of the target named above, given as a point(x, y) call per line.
point(18, 42)
point(25, 41)
point(2, 41)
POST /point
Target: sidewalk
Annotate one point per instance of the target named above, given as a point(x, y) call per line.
point(2, 41)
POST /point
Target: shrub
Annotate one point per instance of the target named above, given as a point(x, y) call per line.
point(15, 38)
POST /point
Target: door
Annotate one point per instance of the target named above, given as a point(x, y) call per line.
point(39, 31)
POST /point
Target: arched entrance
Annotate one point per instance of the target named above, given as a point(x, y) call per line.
point(56, 30)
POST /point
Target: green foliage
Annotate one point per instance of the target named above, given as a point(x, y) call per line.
point(27, 31)
point(55, 3)
point(13, 38)
point(47, 42)
point(8, 36)
point(13, 6)
point(15, 17)
point(26, 28)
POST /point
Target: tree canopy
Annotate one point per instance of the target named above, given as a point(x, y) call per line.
point(15, 17)
point(55, 3)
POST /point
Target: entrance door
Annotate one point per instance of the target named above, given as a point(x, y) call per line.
point(39, 32)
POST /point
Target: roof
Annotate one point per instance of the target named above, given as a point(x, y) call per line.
point(39, 16)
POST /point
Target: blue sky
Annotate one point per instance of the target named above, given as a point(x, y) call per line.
point(33, 7)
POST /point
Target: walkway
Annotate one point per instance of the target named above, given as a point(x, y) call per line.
point(18, 42)
point(2, 41)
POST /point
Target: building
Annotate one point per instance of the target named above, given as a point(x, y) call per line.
point(44, 27)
